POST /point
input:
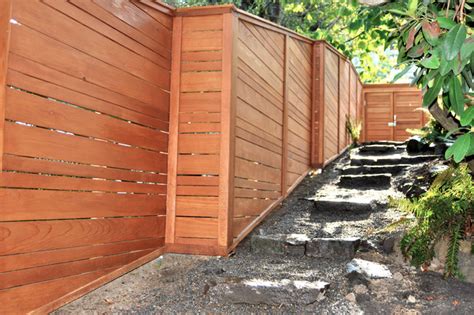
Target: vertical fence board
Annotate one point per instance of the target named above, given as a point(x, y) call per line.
point(226, 173)
point(5, 15)
point(173, 129)
point(286, 77)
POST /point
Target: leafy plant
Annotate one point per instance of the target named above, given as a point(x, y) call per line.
point(353, 128)
point(443, 211)
point(431, 132)
point(436, 38)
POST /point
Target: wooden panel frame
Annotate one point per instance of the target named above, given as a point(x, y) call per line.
point(5, 32)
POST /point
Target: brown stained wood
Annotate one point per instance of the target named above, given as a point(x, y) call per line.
point(122, 26)
point(24, 299)
point(252, 184)
point(200, 102)
point(239, 224)
point(251, 152)
point(227, 143)
point(108, 31)
point(127, 12)
point(49, 257)
point(203, 23)
point(32, 165)
point(252, 135)
point(199, 117)
point(25, 204)
point(198, 164)
point(42, 112)
point(198, 180)
point(196, 227)
point(158, 10)
point(197, 206)
point(61, 270)
point(284, 156)
point(5, 15)
point(32, 236)
point(197, 56)
point(88, 286)
point(199, 127)
point(199, 143)
point(250, 170)
point(32, 141)
point(65, 94)
point(201, 81)
point(174, 130)
point(34, 181)
point(183, 190)
point(25, 42)
point(201, 41)
point(39, 17)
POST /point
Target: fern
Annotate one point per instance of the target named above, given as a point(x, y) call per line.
point(441, 212)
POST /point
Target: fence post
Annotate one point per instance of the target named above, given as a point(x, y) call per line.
point(317, 109)
point(227, 146)
point(284, 156)
point(173, 131)
point(5, 29)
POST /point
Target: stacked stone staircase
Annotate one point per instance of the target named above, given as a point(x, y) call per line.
point(363, 184)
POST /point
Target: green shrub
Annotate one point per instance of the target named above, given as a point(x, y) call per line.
point(443, 211)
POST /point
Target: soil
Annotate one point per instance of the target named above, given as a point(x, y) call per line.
point(183, 284)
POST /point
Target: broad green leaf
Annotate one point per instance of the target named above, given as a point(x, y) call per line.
point(453, 41)
point(402, 73)
point(431, 62)
point(418, 50)
point(444, 66)
point(460, 148)
point(456, 96)
point(445, 22)
point(467, 48)
point(432, 94)
point(467, 118)
point(412, 5)
point(431, 32)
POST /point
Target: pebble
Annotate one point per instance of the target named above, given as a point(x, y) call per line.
point(351, 297)
point(398, 276)
point(411, 299)
point(360, 289)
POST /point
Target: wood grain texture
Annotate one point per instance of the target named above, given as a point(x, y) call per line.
point(5, 30)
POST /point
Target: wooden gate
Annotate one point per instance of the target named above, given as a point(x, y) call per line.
point(391, 109)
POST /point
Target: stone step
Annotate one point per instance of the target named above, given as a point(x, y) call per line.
point(359, 205)
point(374, 181)
point(269, 292)
point(279, 244)
point(333, 248)
point(374, 169)
point(377, 149)
point(391, 160)
point(301, 245)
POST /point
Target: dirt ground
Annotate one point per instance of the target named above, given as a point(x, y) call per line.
point(184, 284)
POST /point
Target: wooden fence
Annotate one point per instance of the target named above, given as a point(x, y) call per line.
point(85, 105)
point(129, 129)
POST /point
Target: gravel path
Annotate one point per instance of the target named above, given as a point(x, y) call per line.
point(186, 284)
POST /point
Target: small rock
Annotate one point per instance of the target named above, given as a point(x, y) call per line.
point(360, 289)
point(388, 244)
point(368, 269)
point(351, 297)
point(398, 276)
point(411, 299)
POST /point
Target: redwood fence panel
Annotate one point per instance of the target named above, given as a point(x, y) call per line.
point(130, 129)
point(337, 96)
point(85, 99)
